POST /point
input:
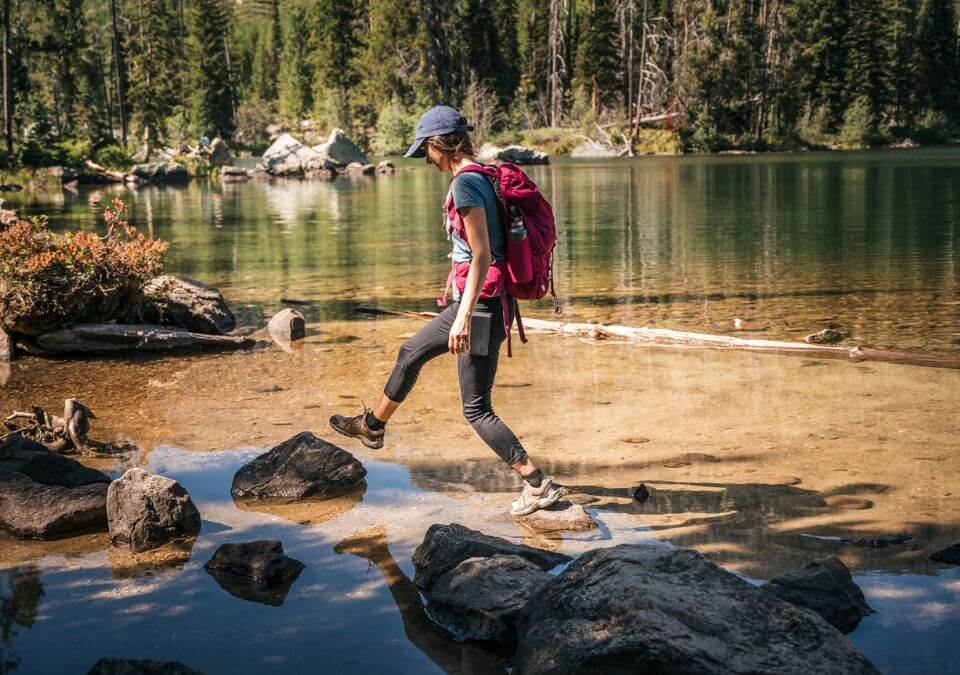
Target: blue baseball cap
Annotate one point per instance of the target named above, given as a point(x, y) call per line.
point(440, 119)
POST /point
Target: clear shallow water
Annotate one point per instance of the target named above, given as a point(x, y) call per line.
point(866, 240)
point(870, 241)
point(343, 612)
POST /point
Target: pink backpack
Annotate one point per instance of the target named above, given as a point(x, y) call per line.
point(529, 260)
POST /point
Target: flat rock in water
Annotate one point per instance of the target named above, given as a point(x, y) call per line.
point(485, 598)
point(110, 338)
point(32, 510)
point(847, 503)
point(257, 571)
point(301, 467)
point(446, 546)
point(168, 300)
point(652, 609)
point(109, 666)
point(826, 587)
point(559, 517)
point(948, 556)
point(145, 511)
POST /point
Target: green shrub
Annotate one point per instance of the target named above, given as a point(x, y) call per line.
point(49, 280)
point(703, 136)
point(859, 127)
point(112, 156)
point(395, 129)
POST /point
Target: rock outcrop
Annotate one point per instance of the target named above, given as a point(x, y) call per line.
point(258, 571)
point(340, 150)
point(287, 156)
point(110, 338)
point(145, 511)
point(47, 496)
point(169, 300)
point(160, 172)
point(301, 467)
point(446, 546)
point(637, 609)
point(515, 154)
point(235, 174)
point(287, 325)
point(485, 598)
point(6, 347)
point(825, 587)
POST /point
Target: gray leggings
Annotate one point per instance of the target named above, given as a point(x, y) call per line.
point(476, 374)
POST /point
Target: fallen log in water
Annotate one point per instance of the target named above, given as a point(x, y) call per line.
point(666, 337)
point(108, 338)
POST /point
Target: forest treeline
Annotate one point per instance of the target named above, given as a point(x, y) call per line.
point(103, 77)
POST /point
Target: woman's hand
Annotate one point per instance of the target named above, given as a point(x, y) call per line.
point(459, 340)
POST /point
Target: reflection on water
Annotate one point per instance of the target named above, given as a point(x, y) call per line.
point(20, 596)
point(792, 243)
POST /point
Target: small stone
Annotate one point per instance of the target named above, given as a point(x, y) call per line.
point(386, 166)
point(559, 517)
point(258, 571)
point(635, 439)
point(582, 499)
point(948, 556)
point(676, 463)
point(6, 347)
point(847, 503)
point(145, 511)
point(641, 493)
point(287, 325)
point(827, 336)
point(700, 457)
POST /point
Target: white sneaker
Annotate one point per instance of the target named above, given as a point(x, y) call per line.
point(532, 498)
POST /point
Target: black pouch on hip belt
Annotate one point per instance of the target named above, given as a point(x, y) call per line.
point(480, 331)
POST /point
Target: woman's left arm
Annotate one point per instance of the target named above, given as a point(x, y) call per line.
point(475, 222)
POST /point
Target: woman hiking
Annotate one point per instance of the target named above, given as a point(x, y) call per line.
point(443, 138)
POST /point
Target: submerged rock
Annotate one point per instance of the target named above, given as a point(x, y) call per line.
point(235, 174)
point(111, 666)
point(446, 546)
point(485, 598)
point(299, 468)
point(110, 338)
point(169, 300)
point(847, 503)
point(827, 336)
point(948, 556)
point(146, 511)
point(258, 571)
point(386, 166)
point(637, 609)
point(559, 517)
point(287, 325)
point(825, 587)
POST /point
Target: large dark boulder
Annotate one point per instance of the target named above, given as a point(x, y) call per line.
point(145, 511)
point(301, 467)
point(168, 300)
point(651, 609)
point(825, 587)
point(258, 571)
point(32, 510)
point(485, 598)
point(44, 495)
point(110, 666)
point(446, 546)
point(36, 462)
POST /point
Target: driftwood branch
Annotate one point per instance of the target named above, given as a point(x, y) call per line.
point(664, 337)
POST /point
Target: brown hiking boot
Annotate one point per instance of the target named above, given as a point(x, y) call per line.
point(356, 427)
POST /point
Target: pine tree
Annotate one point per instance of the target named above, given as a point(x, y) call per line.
point(264, 73)
point(598, 63)
point(211, 105)
point(901, 36)
point(154, 30)
point(867, 73)
point(294, 77)
point(818, 30)
point(937, 59)
point(333, 46)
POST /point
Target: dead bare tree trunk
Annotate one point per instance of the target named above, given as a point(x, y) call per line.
point(635, 130)
point(556, 41)
point(118, 66)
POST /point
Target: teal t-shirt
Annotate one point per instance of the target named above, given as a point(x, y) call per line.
point(474, 189)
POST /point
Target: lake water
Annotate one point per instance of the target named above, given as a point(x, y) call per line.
point(743, 453)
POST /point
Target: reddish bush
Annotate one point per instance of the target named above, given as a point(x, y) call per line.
point(49, 280)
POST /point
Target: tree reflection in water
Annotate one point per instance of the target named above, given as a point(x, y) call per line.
point(20, 596)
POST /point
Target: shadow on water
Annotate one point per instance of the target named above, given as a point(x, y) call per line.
point(20, 597)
